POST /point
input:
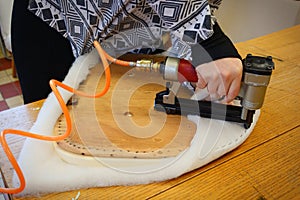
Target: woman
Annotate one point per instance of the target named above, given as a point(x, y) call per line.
point(47, 36)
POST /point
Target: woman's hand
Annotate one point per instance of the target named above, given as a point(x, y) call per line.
point(222, 78)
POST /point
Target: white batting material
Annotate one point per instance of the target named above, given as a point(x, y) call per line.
point(45, 171)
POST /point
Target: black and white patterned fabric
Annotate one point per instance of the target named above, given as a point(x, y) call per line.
point(128, 24)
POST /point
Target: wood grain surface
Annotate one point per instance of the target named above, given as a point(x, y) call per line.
point(123, 123)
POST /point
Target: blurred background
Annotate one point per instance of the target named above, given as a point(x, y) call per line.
point(247, 19)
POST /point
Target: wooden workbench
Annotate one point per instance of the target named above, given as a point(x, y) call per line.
point(267, 165)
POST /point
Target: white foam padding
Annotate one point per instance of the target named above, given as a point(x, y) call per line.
point(46, 172)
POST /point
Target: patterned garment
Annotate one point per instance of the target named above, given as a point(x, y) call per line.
point(129, 24)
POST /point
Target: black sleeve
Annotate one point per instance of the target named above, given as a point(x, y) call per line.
point(40, 53)
point(215, 47)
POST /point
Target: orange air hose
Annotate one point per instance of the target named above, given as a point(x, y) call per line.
point(112, 59)
point(53, 84)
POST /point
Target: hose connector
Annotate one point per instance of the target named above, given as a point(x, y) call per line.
point(147, 65)
point(144, 63)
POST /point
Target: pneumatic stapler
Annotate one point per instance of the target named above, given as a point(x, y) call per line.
point(257, 72)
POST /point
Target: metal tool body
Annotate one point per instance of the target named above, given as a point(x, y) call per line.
point(257, 72)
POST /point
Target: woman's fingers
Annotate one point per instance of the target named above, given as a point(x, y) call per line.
point(221, 77)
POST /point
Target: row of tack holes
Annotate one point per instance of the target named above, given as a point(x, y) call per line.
point(78, 146)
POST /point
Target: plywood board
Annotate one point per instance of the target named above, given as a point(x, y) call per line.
point(123, 122)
